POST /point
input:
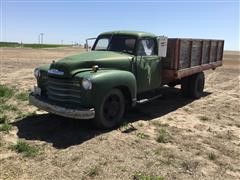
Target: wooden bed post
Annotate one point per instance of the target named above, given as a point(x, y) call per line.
point(190, 54)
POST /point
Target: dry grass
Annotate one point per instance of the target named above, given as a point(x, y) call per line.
point(144, 176)
point(5, 127)
point(24, 148)
point(162, 136)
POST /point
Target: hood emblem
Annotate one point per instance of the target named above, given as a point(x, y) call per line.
point(55, 72)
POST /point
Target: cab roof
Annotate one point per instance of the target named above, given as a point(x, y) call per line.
point(133, 33)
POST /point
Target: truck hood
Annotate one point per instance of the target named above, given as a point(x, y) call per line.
point(69, 66)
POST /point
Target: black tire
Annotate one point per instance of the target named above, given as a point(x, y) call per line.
point(193, 86)
point(172, 84)
point(110, 111)
point(197, 85)
point(185, 86)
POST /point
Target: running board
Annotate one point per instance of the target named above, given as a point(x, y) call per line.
point(142, 101)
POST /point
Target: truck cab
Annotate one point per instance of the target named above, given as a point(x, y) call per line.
point(100, 84)
point(142, 49)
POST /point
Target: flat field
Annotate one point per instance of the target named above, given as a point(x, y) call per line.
point(169, 138)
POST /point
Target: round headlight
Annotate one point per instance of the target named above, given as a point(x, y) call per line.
point(36, 73)
point(87, 84)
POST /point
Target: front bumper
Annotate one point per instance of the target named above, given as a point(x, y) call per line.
point(46, 105)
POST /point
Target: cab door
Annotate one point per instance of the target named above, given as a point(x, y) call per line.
point(148, 65)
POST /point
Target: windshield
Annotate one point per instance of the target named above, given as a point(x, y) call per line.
point(119, 43)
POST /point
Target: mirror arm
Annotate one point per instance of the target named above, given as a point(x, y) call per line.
point(87, 46)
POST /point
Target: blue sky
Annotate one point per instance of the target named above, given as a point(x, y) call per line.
point(73, 21)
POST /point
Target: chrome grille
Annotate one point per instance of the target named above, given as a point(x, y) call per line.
point(63, 90)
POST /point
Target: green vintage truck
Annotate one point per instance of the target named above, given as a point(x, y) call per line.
point(121, 67)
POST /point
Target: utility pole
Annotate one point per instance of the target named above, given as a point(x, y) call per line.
point(41, 34)
point(39, 39)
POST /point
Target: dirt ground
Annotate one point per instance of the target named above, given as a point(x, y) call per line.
point(201, 137)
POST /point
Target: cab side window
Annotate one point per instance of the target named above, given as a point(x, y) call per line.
point(147, 47)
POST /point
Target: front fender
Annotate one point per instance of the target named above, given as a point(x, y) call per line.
point(105, 80)
point(43, 76)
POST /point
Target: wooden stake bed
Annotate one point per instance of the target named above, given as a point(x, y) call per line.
point(189, 56)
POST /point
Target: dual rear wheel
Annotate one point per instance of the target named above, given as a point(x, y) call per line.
point(192, 86)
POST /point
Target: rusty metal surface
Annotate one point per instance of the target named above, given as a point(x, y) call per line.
point(168, 76)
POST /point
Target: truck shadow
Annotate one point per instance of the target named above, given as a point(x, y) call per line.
point(170, 101)
point(64, 132)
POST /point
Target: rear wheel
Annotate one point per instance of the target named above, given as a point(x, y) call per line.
point(197, 85)
point(185, 86)
point(193, 86)
point(174, 83)
point(111, 109)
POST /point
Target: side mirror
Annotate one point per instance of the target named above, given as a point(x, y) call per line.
point(162, 46)
point(88, 45)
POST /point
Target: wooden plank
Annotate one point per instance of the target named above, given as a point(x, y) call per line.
point(209, 51)
point(196, 52)
point(174, 58)
point(219, 50)
point(213, 51)
point(201, 54)
point(178, 46)
point(205, 52)
point(216, 53)
point(172, 54)
point(189, 71)
point(222, 50)
point(190, 54)
point(171, 75)
point(167, 62)
point(184, 54)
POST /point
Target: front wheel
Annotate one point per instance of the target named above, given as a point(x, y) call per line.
point(110, 111)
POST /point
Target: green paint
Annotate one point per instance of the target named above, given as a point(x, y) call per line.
point(139, 34)
point(104, 59)
point(132, 74)
point(148, 73)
